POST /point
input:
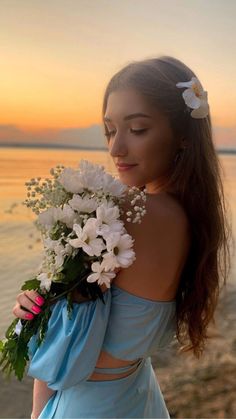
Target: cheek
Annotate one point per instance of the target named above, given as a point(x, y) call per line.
point(157, 153)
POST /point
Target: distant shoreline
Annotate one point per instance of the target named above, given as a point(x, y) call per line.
point(74, 147)
point(54, 146)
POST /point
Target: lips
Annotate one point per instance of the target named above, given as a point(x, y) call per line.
point(125, 166)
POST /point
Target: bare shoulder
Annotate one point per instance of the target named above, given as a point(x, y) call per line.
point(164, 211)
point(161, 244)
point(165, 215)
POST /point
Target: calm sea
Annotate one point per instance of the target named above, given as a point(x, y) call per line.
point(20, 248)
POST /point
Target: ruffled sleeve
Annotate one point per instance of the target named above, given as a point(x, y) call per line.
point(71, 347)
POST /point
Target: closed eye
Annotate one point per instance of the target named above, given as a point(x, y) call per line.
point(133, 131)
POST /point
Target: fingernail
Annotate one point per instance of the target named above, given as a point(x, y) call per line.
point(36, 309)
point(39, 300)
point(29, 316)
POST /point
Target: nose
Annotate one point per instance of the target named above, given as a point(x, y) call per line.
point(117, 146)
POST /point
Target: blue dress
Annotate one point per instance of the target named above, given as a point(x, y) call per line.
point(128, 327)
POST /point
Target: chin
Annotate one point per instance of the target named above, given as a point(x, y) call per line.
point(132, 182)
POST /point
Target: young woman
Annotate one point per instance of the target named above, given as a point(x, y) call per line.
point(159, 136)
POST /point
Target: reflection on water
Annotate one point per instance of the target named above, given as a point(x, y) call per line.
point(19, 165)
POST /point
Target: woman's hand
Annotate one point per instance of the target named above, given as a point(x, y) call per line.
point(29, 304)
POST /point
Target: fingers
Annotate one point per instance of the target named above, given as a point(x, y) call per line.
point(28, 305)
point(34, 296)
point(22, 314)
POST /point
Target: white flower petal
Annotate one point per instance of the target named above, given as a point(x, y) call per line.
point(184, 84)
point(97, 246)
point(45, 280)
point(191, 99)
point(71, 180)
point(18, 327)
point(93, 277)
point(201, 112)
point(76, 243)
point(85, 204)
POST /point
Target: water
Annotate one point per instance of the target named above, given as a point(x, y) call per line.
point(20, 247)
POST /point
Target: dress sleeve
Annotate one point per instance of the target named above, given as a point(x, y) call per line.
point(71, 347)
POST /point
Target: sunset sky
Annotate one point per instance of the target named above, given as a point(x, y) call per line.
point(57, 57)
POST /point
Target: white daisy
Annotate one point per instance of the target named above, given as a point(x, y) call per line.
point(100, 275)
point(85, 204)
point(71, 180)
point(45, 279)
point(120, 252)
point(107, 215)
point(87, 238)
point(113, 186)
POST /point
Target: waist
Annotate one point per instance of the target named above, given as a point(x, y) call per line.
point(113, 373)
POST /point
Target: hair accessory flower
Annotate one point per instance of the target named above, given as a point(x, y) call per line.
point(195, 97)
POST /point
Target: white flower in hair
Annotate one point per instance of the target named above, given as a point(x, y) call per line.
point(195, 97)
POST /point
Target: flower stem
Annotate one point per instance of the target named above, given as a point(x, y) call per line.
point(68, 290)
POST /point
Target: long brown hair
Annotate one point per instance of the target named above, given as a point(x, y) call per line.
point(196, 181)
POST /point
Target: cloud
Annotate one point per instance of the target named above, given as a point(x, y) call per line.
point(90, 137)
point(10, 132)
point(87, 137)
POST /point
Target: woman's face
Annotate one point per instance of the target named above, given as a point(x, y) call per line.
point(145, 142)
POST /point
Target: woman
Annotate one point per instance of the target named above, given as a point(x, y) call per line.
point(182, 254)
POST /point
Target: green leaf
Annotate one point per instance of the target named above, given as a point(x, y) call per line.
point(31, 284)
point(73, 268)
point(11, 328)
point(1, 345)
point(42, 330)
point(14, 351)
point(60, 277)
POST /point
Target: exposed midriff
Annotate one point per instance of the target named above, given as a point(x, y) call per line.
point(106, 360)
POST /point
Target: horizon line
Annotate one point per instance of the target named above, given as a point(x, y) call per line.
point(226, 150)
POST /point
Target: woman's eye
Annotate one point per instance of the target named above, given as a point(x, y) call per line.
point(133, 131)
point(138, 131)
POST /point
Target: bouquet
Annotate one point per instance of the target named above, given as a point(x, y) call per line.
point(85, 241)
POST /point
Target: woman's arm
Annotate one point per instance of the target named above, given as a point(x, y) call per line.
point(27, 299)
point(41, 395)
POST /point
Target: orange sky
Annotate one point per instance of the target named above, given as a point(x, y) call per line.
point(57, 57)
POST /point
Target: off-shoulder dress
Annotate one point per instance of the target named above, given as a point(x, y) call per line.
point(128, 327)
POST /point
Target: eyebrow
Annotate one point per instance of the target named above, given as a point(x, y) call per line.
point(131, 116)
